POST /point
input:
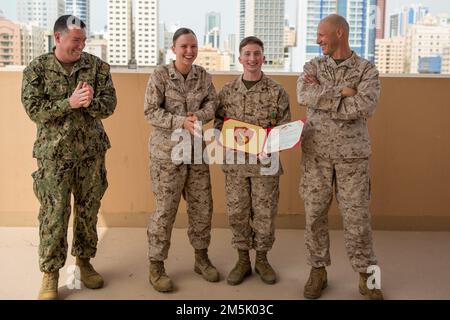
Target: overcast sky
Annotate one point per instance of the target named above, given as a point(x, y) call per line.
point(192, 13)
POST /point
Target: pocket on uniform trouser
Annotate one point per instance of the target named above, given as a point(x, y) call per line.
point(91, 179)
point(302, 184)
point(154, 175)
point(104, 180)
point(102, 184)
point(37, 179)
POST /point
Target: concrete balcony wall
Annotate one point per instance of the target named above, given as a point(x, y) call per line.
point(410, 166)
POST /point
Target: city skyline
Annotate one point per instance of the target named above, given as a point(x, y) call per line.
point(137, 39)
point(183, 13)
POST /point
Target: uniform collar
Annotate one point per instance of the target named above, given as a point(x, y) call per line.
point(175, 74)
point(349, 63)
point(261, 86)
point(54, 65)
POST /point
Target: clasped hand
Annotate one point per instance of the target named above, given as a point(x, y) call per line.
point(82, 96)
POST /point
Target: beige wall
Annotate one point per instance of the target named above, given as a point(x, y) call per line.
point(410, 164)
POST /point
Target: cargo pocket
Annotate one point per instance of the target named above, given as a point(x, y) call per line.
point(155, 172)
point(302, 185)
point(37, 180)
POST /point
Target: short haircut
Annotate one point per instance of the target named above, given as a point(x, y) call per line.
point(180, 32)
point(337, 21)
point(251, 40)
point(63, 23)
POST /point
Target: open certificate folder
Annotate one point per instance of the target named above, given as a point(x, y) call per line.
point(249, 138)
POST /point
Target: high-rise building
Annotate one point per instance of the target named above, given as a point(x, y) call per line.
point(408, 15)
point(98, 46)
point(360, 15)
point(213, 38)
point(230, 47)
point(80, 9)
point(33, 42)
point(381, 13)
point(390, 55)
point(265, 20)
point(428, 38)
point(241, 20)
point(212, 59)
point(42, 13)
point(146, 32)
point(446, 61)
point(120, 30)
point(133, 40)
point(169, 31)
point(430, 64)
point(10, 49)
point(289, 37)
point(212, 29)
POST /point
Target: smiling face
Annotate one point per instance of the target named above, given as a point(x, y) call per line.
point(186, 49)
point(70, 44)
point(252, 57)
point(327, 38)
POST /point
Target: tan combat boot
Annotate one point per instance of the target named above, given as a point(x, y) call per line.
point(49, 287)
point(158, 277)
point(204, 266)
point(90, 278)
point(242, 269)
point(264, 269)
point(316, 283)
point(374, 294)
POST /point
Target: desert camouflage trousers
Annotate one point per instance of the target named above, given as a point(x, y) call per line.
point(169, 183)
point(54, 182)
point(252, 205)
point(351, 182)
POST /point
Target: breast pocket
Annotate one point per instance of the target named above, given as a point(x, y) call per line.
point(175, 102)
point(352, 78)
point(195, 100)
point(266, 110)
point(56, 89)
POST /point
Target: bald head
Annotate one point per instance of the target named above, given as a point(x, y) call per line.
point(336, 22)
point(332, 36)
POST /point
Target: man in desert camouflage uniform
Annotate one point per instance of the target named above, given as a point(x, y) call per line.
point(66, 93)
point(252, 197)
point(178, 94)
point(340, 91)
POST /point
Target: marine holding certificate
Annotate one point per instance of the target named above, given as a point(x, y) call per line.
point(252, 194)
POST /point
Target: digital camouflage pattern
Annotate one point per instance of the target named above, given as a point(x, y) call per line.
point(350, 178)
point(252, 205)
point(252, 198)
point(336, 150)
point(266, 104)
point(70, 150)
point(169, 97)
point(169, 182)
point(54, 181)
point(62, 132)
point(337, 126)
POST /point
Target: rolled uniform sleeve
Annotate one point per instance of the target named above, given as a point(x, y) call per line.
point(105, 100)
point(317, 96)
point(154, 110)
point(363, 104)
point(38, 105)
